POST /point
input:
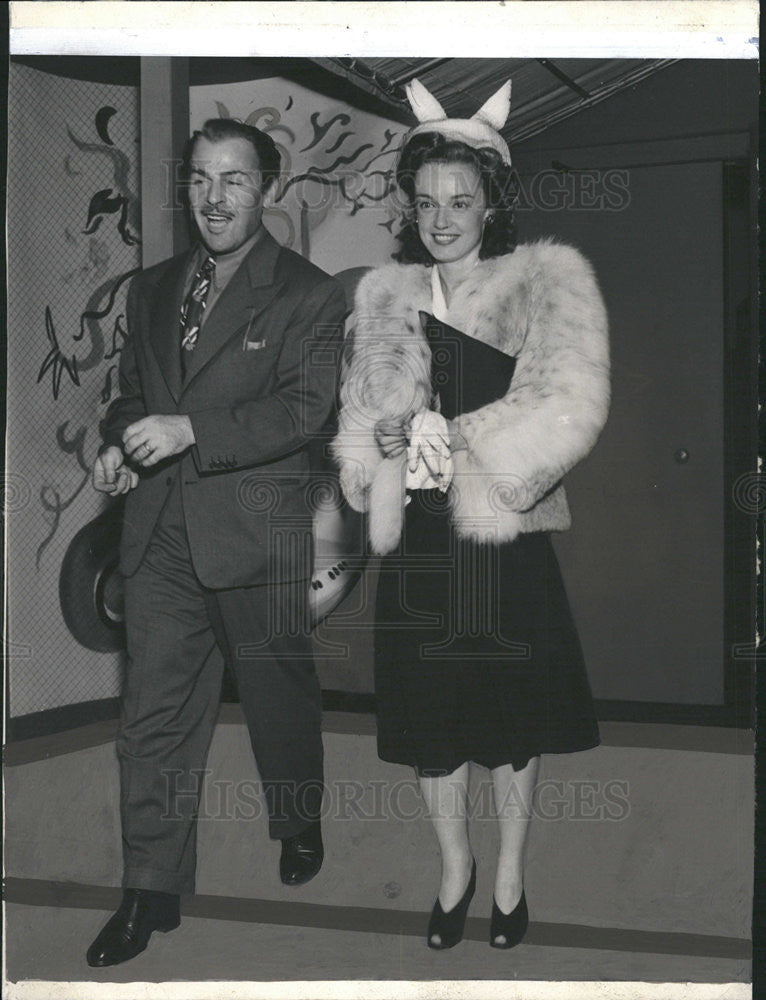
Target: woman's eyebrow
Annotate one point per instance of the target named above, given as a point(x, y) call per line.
point(420, 194)
point(459, 194)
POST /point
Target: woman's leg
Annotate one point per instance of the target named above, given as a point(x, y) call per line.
point(446, 799)
point(513, 793)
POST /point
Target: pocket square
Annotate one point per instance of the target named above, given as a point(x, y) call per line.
point(254, 345)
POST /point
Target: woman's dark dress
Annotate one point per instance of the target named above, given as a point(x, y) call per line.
point(476, 653)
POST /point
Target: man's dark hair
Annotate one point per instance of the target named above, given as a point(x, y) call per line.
point(217, 129)
point(498, 182)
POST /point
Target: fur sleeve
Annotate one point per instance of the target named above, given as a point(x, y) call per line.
point(386, 375)
point(520, 446)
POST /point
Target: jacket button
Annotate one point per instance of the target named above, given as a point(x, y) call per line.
point(169, 481)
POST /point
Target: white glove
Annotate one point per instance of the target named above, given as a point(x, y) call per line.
point(429, 462)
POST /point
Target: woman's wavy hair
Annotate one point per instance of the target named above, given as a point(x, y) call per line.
point(497, 178)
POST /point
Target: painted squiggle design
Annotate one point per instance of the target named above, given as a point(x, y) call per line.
point(272, 124)
point(106, 392)
point(357, 184)
point(124, 198)
point(117, 330)
point(320, 131)
point(50, 498)
point(320, 173)
point(339, 141)
point(389, 137)
point(102, 123)
point(341, 161)
point(55, 359)
point(91, 314)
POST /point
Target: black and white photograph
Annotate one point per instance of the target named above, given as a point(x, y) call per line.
point(381, 500)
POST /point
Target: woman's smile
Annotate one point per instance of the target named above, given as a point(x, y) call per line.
point(451, 210)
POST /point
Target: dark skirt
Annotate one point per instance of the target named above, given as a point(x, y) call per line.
point(477, 657)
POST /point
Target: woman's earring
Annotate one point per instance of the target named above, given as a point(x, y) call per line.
point(489, 218)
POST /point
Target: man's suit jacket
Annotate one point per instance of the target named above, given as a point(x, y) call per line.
point(259, 384)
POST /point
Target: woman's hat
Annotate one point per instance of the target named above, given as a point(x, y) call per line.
point(479, 130)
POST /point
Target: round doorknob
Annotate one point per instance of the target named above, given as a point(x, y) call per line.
point(682, 456)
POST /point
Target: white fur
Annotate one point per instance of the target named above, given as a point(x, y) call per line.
point(540, 304)
point(424, 105)
point(495, 111)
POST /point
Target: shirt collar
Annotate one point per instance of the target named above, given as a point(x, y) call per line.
point(226, 264)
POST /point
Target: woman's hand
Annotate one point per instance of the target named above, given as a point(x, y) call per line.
point(430, 444)
point(392, 437)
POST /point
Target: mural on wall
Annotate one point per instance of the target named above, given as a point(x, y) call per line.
point(334, 203)
point(121, 201)
point(74, 244)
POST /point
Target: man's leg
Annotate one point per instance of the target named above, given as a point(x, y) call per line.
point(268, 639)
point(169, 707)
point(169, 704)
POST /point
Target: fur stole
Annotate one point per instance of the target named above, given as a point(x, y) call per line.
point(540, 304)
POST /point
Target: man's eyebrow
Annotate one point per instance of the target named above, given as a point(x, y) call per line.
point(224, 173)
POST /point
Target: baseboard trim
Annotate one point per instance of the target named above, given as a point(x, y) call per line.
point(696, 739)
point(72, 895)
point(56, 721)
point(59, 721)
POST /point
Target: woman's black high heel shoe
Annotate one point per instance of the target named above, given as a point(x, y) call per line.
point(450, 926)
point(510, 926)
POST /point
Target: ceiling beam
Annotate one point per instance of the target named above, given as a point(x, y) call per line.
point(425, 67)
point(561, 75)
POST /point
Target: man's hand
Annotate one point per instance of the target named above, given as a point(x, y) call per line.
point(111, 475)
point(151, 439)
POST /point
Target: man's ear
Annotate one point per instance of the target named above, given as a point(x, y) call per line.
point(270, 194)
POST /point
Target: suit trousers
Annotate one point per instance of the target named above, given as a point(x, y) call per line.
point(178, 635)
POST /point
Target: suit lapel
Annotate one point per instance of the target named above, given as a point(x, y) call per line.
point(166, 328)
point(247, 294)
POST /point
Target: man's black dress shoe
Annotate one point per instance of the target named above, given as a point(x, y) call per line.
point(302, 855)
point(127, 932)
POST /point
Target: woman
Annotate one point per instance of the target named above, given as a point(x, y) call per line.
point(478, 378)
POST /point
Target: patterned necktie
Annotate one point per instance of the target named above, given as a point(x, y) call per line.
point(193, 309)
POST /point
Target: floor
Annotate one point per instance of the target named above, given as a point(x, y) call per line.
point(608, 901)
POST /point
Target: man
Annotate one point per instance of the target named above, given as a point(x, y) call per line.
point(227, 372)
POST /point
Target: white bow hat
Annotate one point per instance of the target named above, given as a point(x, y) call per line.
point(479, 130)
